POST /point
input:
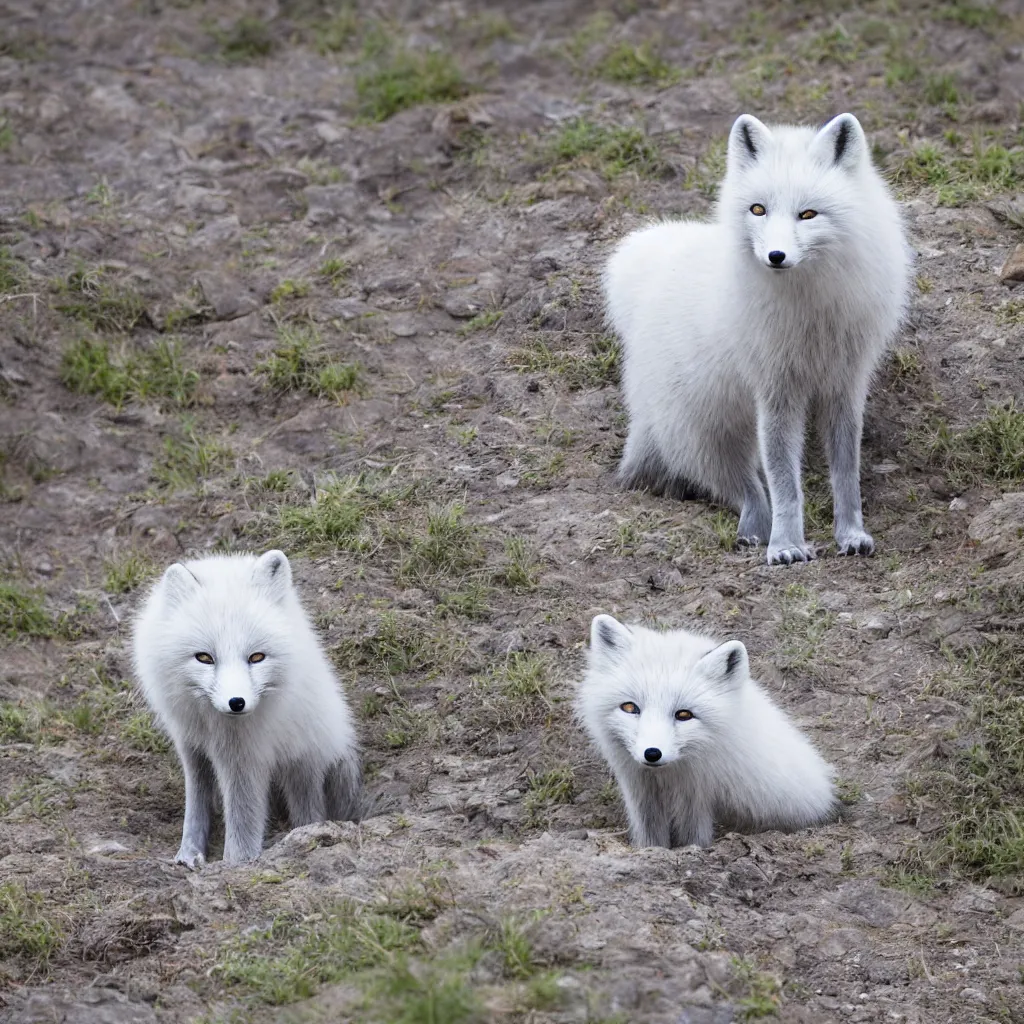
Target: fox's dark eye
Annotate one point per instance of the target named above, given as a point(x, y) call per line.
point(255, 659)
point(630, 708)
point(808, 214)
point(206, 659)
point(758, 210)
point(683, 716)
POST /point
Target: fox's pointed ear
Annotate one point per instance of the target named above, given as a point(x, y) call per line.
point(178, 583)
point(841, 142)
point(727, 664)
point(748, 140)
point(274, 572)
point(609, 639)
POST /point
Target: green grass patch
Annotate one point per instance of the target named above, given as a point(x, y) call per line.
point(192, 458)
point(12, 272)
point(986, 17)
point(342, 515)
point(611, 151)
point(300, 362)
point(400, 79)
point(448, 548)
point(140, 733)
point(761, 992)
point(482, 321)
point(248, 40)
point(127, 570)
point(979, 788)
point(28, 933)
point(596, 367)
point(522, 568)
point(92, 296)
point(125, 372)
point(709, 169)
point(989, 451)
point(399, 644)
point(334, 270)
point(962, 171)
point(22, 612)
point(291, 960)
point(636, 65)
point(545, 790)
point(289, 289)
point(803, 628)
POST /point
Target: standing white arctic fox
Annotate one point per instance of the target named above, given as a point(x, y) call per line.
point(692, 740)
point(736, 331)
point(230, 665)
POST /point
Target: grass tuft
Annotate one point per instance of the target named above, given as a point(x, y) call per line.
point(301, 363)
point(93, 297)
point(636, 65)
point(124, 373)
point(127, 570)
point(991, 450)
point(405, 79)
point(597, 367)
point(611, 151)
point(22, 612)
point(27, 932)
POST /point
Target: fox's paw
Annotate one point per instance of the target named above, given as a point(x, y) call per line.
point(855, 542)
point(787, 554)
point(190, 857)
point(749, 541)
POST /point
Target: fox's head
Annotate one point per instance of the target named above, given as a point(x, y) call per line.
point(794, 193)
point(662, 695)
point(227, 629)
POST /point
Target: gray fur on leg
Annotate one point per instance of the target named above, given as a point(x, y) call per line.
point(246, 804)
point(200, 794)
point(840, 423)
point(781, 437)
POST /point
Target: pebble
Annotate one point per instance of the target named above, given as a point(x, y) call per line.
point(1013, 268)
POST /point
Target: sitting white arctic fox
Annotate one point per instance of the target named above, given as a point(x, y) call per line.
point(738, 332)
point(232, 669)
point(692, 740)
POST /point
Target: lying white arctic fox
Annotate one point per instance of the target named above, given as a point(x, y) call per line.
point(232, 669)
point(692, 740)
point(737, 331)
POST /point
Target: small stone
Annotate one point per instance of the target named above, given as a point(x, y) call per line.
point(958, 505)
point(1013, 268)
point(507, 481)
point(576, 833)
point(972, 995)
point(329, 132)
point(878, 626)
point(229, 298)
point(884, 468)
point(461, 306)
point(107, 849)
point(403, 326)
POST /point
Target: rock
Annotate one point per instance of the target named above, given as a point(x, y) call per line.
point(402, 325)
point(999, 529)
point(91, 1005)
point(462, 305)
point(972, 995)
point(230, 299)
point(1013, 268)
point(107, 849)
point(878, 626)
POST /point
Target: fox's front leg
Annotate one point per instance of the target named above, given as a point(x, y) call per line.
point(780, 434)
point(304, 793)
point(199, 795)
point(841, 420)
point(246, 790)
point(649, 821)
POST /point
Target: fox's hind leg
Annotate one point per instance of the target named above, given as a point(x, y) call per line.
point(644, 469)
point(303, 785)
point(344, 790)
point(755, 524)
point(200, 792)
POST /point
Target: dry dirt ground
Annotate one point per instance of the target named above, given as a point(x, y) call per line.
point(325, 277)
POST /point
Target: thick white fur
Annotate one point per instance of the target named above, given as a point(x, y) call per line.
point(726, 357)
point(739, 762)
point(296, 734)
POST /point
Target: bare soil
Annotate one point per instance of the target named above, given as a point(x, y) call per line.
point(208, 181)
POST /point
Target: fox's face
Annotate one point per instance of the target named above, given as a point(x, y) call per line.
point(226, 640)
point(792, 192)
point(659, 702)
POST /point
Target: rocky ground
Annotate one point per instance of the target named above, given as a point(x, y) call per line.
point(325, 277)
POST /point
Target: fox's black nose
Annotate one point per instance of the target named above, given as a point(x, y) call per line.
point(652, 754)
point(776, 258)
point(237, 704)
